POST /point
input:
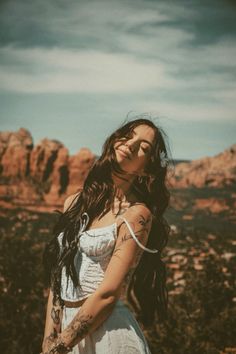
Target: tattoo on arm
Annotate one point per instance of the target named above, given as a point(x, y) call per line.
point(55, 345)
point(49, 341)
point(79, 327)
point(55, 315)
point(145, 222)
point(52, 335)
point(143, 228)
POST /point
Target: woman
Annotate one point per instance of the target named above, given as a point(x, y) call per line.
point(108, 242)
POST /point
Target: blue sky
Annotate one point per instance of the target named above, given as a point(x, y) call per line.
point(72, 70)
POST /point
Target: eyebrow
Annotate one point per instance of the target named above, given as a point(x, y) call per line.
point(146, 141)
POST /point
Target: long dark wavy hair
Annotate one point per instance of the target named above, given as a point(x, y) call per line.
point(147, 291)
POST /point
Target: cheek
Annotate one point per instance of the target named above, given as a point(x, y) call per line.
point(117, 144)
point(144, 161)
point(140, 162)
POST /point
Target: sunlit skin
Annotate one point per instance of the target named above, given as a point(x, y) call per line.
point(126, 255)
point(132, 154)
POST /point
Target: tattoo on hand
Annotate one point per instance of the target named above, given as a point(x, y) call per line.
point(60, 348)
point(55, 345)
point(50, 341)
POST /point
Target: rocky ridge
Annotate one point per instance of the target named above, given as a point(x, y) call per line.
point(216, 171)
point(42, 176)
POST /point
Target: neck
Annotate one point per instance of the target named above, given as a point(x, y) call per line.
point(122, 184)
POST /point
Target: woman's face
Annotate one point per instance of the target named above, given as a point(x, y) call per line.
point(134, 150)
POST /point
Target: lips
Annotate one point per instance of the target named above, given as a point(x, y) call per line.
point(124, 153)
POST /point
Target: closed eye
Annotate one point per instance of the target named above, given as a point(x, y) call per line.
point(129, 136)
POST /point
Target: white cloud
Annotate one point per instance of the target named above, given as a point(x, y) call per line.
point(90, 71)
point(122, 49)
point(58, 70)
point(187, 112)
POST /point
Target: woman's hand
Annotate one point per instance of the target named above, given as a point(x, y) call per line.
point(52, 324)
point(53, 344)
point(49, 342)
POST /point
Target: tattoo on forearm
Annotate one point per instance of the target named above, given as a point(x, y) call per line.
point(50, 340)
point(79, 327)
point(60, 348)
point(52, 335)
point(55, 315)
point(55, 345)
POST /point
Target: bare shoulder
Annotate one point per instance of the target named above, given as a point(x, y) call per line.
point(138, 214)
point(70, 200)
point(133, 232)
point(138, 209)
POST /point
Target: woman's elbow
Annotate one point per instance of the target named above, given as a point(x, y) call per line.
point(110, 296)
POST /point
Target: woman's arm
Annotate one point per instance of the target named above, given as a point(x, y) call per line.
point(54, 313)
point(100, 304)
point(52, 323)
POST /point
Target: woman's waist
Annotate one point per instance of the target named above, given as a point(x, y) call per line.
point(75, 296)
point(79, 303)
point(74, 303)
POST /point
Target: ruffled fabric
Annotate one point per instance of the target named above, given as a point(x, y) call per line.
point(91, 260)
point(120, 333)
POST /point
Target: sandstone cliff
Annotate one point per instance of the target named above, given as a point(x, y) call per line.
point(42, 174)
point(216, 171)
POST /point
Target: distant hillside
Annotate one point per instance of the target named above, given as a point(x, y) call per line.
point(216, 171)
point(177, 161)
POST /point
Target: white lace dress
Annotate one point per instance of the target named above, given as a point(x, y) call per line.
point(120, 333)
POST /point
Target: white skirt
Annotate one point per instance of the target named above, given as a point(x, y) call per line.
point(120, 333)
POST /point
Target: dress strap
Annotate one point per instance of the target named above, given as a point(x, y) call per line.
point(135, 238)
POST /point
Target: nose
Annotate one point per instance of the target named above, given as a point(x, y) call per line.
point(131, 145)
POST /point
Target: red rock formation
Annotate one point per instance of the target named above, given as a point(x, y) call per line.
point(78, 166)
point(39, 176)
point(15, 149)
point(217, 171)
point(42, 160)
point(59, 176)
